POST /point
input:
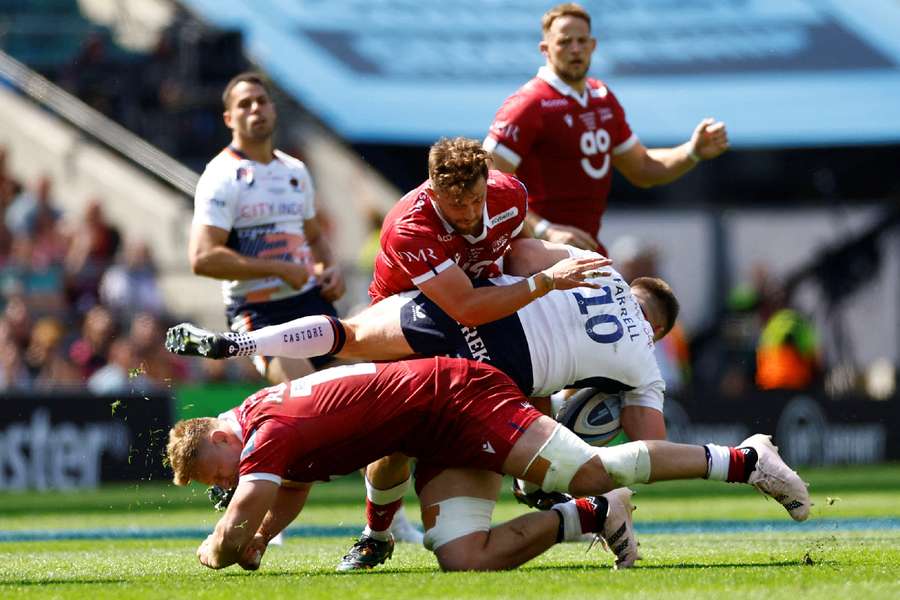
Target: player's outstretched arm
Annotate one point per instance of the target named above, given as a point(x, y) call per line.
point(470, 306)
point(526, 256)
point(645, 167)
point(237, 527)
point(288, 503)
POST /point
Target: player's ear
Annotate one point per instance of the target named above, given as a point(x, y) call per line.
point(218, 436)
point(543, 46)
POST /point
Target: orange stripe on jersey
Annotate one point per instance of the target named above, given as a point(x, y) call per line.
point(263, 295)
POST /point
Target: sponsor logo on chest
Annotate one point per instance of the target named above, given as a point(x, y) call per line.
point(263, 209)
point(499, 243)
point(422, 255)
point(554, 103)
point(506, 215)
point(589, 120)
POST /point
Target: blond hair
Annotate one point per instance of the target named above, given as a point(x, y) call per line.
point(569, 9)
point(454, 165)
point(185, 440)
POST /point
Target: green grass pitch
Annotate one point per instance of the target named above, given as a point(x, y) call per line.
point(829, 562)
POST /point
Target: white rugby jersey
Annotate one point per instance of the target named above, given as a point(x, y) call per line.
point(263, 207)
point(585, 337)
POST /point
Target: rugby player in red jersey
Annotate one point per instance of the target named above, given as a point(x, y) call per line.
point(454, 228)
point(563, 132)
point(467, 423)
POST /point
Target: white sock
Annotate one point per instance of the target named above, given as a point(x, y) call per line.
point(717, 462)
point(301, 338)
point(381, 536)
point(571, 521)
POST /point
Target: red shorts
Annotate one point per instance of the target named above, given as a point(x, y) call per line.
point(482, 431)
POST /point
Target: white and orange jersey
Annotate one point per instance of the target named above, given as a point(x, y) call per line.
point(263, 207)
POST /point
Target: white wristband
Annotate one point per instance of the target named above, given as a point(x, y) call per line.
point(532, 286)
point(541, 228)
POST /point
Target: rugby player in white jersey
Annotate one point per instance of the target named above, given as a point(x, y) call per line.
point(255, 228)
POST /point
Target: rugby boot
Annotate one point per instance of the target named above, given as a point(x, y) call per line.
point(366, 553)
point(774, 478)
point(617, 533)
point(187, 339)
point(538, 499)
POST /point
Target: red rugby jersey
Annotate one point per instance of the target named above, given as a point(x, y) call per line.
point(562, 145)
point(418, 244)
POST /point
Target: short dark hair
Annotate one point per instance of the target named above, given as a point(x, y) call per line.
point(248, 77)
point(663, 298)
point(454, 165)
point(569, 9)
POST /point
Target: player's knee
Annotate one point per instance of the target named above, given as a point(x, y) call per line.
point(458, 532)
point(564, 453)
point(627, 463)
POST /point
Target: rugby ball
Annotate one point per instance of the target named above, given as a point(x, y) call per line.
point(592, 415)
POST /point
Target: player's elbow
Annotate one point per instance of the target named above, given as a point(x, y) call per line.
point(200, 263)
point(642, 181)
point(468, 317)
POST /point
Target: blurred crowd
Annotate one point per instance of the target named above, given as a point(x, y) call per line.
point(80, 306)
point(169, 96)
point(759, 342)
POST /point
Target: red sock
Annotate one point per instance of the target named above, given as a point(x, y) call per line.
point(588, 514)
point(380, 516)
point(741, 462)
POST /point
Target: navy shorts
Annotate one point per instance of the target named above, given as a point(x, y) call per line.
point(430, 331)
point(253, 316)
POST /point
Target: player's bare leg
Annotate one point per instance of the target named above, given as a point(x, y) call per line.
point(282, 370)
point(553, 457)
point(456, 509)
point(494, 548)
point(387, 481)
point(373, 334)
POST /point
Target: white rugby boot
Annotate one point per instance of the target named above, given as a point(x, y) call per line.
point(774, 478)
point(618, 531)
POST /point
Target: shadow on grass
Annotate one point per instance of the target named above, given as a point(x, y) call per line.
point(330, 573)
point(37, 582)
point(537, 568)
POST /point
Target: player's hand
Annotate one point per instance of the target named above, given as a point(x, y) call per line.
point(293, 274)
point(205, 555)
point(332, 282)
point(710, 139)
point(251, 556)
point(573, 236)
point(571, 273)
